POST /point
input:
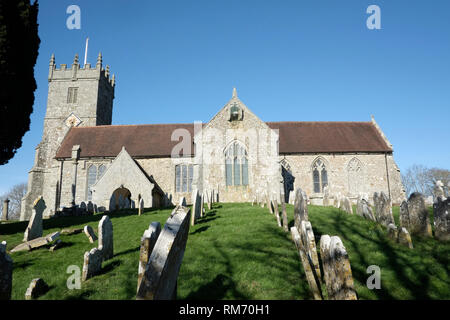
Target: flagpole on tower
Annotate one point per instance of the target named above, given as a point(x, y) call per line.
point(86, 51)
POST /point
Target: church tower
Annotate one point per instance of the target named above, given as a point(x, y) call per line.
point(76, 97)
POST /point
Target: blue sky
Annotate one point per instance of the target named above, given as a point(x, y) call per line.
point(177, 62)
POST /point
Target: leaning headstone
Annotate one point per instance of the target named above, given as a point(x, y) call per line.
point(309, 244)
point(346, 205)
point(441, 211)
point(5, 210)
point(414, 215)
point(34, 229)
point(392, 232)
point(300, 208)
point(36, 288)
point(148, 242)
point(92, 264)
point(141, 206)
point(438, 190)
point(307, 264)
point(105, 238)
point(195, 207)
point(383, 209)
point(285, 219)
point(277, 213)
point(159, 281)
point(336, 268)
point(36, 243)
point(6, 269)
point(89, 232)
point(404, 238)
point(363, 208)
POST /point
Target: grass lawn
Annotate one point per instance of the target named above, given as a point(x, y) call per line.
point(235, 252)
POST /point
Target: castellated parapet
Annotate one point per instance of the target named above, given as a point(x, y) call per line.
point(76, 97)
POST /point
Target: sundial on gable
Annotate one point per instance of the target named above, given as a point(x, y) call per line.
point(73, 121)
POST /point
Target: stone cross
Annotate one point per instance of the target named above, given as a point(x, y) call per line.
point(383, 209)
point(414, 215)
point(148, 242)
point(5, 211)
point(6, 269)
point(35, 229)
point(159, 281)
point(441, 211)
point(300, 207)
point(336, 269)
point(105, 238)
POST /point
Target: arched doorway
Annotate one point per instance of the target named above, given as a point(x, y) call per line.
point(120, 199)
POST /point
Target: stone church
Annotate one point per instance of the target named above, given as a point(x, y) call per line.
point(236, 156)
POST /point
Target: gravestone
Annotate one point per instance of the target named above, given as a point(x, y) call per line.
point(326, 196)
point(291, 197)
point(414, 215)
point(307, 264)
point(441, 211)
point(346, 205)
point(383, 209)
point(438, 190)
point(337, 200)
point(336, 268)
point(5, 210)
point(105, 238)
point(159, 281)
point(90, 207)
point(363, 208)
point(269, 204)
point(277, 213)
point(92, 263)
point(300, 208)
point(89, 232)
point(182, 202)
point(56, 245)
point(6, 269)
point(404, 238)
point(392, 232)
point(141, 206)
point(36, 288)
point(83, 207)
point(285, 219)
point(195, 207)
point(36, 243)
point(112, 203)
point(148, 242)
point(202, 203)
point(34, 229)
point(309, 244)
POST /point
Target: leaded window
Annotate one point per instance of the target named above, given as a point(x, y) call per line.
point(93, 175)
point(183, 177)
point(236, 165)
point(72, 95)
point(320, 176)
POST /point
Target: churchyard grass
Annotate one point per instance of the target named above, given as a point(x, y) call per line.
point(236, 251)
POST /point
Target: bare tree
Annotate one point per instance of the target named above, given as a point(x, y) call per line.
point(15, 195)
point(419, 178)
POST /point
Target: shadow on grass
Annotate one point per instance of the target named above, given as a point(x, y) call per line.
point(199, 230)
point(82, 296)
point(109, 267)
point(126, 252)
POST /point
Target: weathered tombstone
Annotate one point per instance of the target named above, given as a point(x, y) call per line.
point(291, 197)
point(195, 214)
point(300, 208)
point(383, 209)
point(441, 211)
point(309, 244)
point(392, 232)
point(89, 232)
point(112, 203)
point(92, 264)
point(5, 210)
point(414, 215)
point(6, 269)
point(34, 229)
point(438, 190)
point(202, 203)
point(105, 238)
point(83, 207)
point(336, 268)
point(182, 202)
point(326, 196)
point(306, 260)
point(337, 200)
point(277, 213)
point(346, 205)
point(36, 288)
point(161, 273)
point(285, 219)
point(90, 207)
point(36, 243)
point(404, 238)
point(363, 208)
point(141, 206)
point(148, 242)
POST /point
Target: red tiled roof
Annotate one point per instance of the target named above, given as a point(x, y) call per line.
point(154, 140)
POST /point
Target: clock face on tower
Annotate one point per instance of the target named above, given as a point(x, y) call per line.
point(73, 121)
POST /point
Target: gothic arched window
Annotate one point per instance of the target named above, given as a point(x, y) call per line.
point(91, 179)
point(355, 176)
point(184, 174)
point(320, 175)
point(236, 165)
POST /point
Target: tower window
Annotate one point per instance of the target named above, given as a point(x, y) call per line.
point(72, 95)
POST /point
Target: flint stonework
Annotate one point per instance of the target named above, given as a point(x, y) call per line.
point(161, 273)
